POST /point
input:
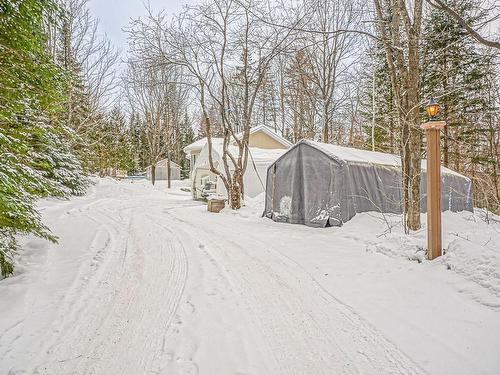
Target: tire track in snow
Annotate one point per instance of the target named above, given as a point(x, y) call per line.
point(78, 306)
point(124, 311)
point(308, 329)
point(161, 360)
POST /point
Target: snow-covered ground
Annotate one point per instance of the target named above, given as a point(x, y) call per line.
point(146, 281)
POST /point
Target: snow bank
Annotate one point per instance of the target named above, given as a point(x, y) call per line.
point(256, 202)
point(471, 246)
point(473, 251)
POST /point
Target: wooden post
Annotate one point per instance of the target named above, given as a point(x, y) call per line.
point(433, 130)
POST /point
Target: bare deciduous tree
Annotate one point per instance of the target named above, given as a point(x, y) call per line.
point(441, 5)
point(156, 96)
point(91, 60)
point(226, 53)
point(331, 54)
point(399, 25)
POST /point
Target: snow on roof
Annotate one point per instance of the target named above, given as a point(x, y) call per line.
point(260, 156)
point(263, 155)
point(163, 162)
point(200, 143)
point(354, 155)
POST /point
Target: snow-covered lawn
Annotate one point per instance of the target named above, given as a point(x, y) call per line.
point(146, 281)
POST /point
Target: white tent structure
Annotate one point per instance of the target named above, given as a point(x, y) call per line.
point(254, 179)
point(260, 137)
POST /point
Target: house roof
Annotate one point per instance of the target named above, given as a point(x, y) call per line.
point(159, 163)
point(265, 129)
point(354, 155)
point(172, 163)
point(200, 143)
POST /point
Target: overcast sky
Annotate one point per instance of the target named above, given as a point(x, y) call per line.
point(114, 15)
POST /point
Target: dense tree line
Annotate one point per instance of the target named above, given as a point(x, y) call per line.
point(36, 143)
point(464, 77)
point(54, 76)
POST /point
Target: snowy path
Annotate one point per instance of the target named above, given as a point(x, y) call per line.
point(145, 282)
point(307, 329)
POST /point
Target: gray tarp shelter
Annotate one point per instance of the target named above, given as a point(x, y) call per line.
point(319, 185)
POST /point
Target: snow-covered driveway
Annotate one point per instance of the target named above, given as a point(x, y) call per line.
point(147, 282)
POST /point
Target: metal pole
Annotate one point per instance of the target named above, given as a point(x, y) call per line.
point(434, 245)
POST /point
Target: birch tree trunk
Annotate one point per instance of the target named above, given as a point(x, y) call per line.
point(414, 133)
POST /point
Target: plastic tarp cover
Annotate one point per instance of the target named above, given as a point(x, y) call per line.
point(254, 177)
point(308, 186)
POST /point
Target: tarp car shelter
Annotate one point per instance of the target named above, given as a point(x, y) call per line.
point(319, 185)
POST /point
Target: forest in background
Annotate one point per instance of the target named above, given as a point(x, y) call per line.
point(352, 73)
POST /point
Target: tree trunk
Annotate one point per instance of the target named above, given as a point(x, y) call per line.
point(326, 136)
point(446, 147)
point(446, 115)
point(169, 184)
point(153, 173)
point(405, 90)
point(414, 135)
point(68, 65)
point(235, 194)
point(373, 107)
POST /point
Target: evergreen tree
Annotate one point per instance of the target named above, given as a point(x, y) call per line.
point(111, 145)
point(35, 146)
point(455, 73)
point(377, 102)
point(137, 141)
point(460, 74)
point(187, 137)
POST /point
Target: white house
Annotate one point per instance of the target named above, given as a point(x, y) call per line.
point(265, 147)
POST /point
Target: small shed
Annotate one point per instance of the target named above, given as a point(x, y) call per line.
point(319, 185)
point(162, 171)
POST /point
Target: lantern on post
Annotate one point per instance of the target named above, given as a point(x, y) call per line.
point(433, 129)
point(432, 109)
